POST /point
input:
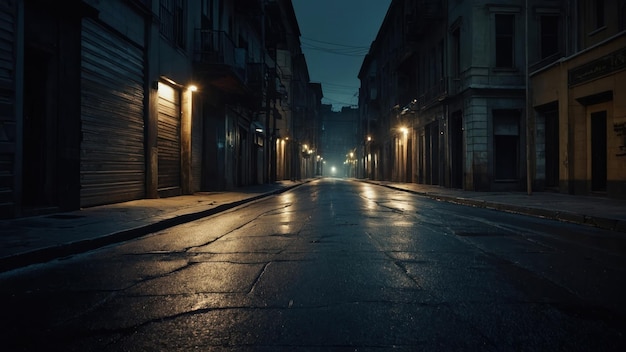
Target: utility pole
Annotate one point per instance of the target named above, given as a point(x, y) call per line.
point(529, 140)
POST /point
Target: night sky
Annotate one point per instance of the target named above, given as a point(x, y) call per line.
point(335, 36)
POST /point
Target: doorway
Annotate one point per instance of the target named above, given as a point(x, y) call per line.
point(39, 134)
point(552, 148)
point(598, 151)
point(456, 150)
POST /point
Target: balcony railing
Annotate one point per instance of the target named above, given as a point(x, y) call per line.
point(217, 48)
point(435, 92)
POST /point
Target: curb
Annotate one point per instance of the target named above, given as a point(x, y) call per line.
point(46, 254)
point(594, 221)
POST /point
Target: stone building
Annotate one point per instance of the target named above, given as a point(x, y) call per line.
point(471, 94)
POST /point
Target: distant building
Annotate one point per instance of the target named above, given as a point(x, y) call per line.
point(340, 141)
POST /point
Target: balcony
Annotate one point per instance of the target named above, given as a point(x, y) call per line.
point(435, 93)
point(219, 62)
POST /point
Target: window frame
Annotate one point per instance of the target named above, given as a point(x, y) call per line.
point(173, 21)
point(555, 42)
point(501, 38)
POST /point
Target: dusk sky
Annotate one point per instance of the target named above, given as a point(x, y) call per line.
point(335, 36)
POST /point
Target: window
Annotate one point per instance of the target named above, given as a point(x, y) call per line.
point(622, 17)
point(549, 35)
point(207, 13)
point(506, 144)
point(440, 51)
point(456, 53)
point(172, 15)
point(598, 10)
point(504, 40)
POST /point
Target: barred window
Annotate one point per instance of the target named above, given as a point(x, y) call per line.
point(172, 14)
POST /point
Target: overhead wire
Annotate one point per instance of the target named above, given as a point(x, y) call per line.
point(334, 48)
point(350, 92)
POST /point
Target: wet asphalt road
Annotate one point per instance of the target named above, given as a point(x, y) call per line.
point(331, 265)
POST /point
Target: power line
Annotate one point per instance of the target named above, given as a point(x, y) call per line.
point(351, 52)
point(339, 85)
point(334, 48)
point(335, 44)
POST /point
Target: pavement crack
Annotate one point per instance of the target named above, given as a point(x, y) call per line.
point(258, 278)
point(405, 271)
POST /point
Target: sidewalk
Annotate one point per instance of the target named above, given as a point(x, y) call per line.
point(38, 239)
point(601, 212)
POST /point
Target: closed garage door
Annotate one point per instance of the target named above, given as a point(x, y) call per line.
point(112, 148)
point(169, 141)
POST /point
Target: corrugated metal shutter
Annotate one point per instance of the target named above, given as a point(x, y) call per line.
point(168, 141)
point(196, 152)
point(7, 107)
point(112, 150)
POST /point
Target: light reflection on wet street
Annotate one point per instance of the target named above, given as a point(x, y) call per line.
point(331, 265)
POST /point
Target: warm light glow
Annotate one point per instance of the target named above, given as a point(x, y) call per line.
point(193, 88)
point(351, 155)
point(166, 91)
point(369, 139)
point(404, 130)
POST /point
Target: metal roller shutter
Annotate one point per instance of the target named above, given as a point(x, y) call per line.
point(112, 149)
point(7, 107)
point(169, 169)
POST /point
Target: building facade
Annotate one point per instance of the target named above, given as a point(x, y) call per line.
point(470, 94)
point(578, 100)
point(123, 100)
point(340, 141)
